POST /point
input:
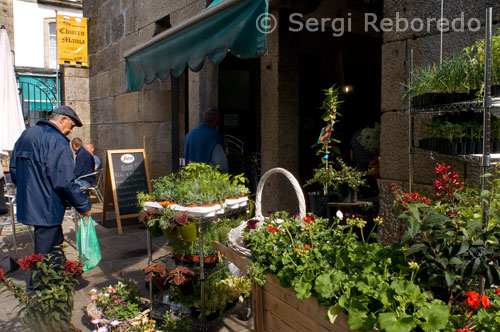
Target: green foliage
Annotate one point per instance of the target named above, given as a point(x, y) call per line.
point(176, 322)
point(200, 184)
point(337, 177)
point(50, 307)
point(460, 72)
point(370, 281)
point(119, 302)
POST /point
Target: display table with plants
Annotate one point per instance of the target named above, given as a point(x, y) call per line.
point(189, 206)
point(440, 275)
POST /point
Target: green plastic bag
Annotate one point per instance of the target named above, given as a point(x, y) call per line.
point(88, 245)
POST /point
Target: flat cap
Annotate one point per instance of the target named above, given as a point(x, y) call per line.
point(68, 111)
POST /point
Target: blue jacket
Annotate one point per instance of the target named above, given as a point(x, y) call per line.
point(200, 143)
point(84, 164)
point(43, 169)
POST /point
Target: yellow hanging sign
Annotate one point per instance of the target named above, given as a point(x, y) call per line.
point(72, 40)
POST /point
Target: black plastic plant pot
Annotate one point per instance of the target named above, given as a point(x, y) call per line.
point(454, 150)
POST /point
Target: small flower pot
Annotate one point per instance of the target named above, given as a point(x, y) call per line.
point(171, 233)
point(192, 258)
point(155, 230)
point(178, 257)
point(188, 232)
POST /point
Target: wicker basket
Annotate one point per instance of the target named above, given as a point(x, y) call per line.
point(234, 239)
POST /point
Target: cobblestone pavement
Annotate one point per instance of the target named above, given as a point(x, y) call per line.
point(123, 257)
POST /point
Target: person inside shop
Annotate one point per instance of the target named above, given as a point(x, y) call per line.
point(84, 164)
point(204, 144)
point(43, 169)
point(90, 148)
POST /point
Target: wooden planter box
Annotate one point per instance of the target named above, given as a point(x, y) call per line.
point(277, 309)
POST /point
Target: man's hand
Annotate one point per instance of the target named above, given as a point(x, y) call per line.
point(86, 214)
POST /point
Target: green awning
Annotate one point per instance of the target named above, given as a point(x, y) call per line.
point(226, 25)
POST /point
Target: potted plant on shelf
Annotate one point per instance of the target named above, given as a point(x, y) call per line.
point(158, 273)
point(181, 277)
point(186, 226)
point(177, 322)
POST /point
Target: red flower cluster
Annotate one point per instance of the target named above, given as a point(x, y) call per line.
point(308, 219)
point(2, 275)
point(474, 300)
point(29, 261)
point(252, 223)
point(497, 292)
point(272, 229)
point(464, 330)
point(447, 182)
point(74, 268)
point(407, 198)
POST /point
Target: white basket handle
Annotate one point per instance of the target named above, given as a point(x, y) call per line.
point(293, 181)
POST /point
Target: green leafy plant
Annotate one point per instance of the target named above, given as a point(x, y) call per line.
point(455, 250)
point(347, 175)
point(119, 302)
point(372, 282)
point(50, 307)
point(176, 322)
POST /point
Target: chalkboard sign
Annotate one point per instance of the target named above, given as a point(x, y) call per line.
point(126, 175)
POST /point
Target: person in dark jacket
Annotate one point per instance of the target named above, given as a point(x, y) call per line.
point(204, 144)
point(84, 164)
point(43, 169)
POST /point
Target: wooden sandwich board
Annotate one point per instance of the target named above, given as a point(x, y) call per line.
point(127, 174)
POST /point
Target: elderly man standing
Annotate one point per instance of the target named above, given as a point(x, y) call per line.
point(43, 169)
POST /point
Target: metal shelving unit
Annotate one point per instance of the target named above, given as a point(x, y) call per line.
point(486, 106)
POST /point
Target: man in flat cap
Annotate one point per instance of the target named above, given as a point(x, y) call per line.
point(43, 169)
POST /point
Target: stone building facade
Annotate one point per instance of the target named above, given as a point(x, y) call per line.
point(394, 158)
point(280, 115)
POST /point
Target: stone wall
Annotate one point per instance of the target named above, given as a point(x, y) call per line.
point(76, 96)
point(7, 19)
point(394, 160)
point(124, 120)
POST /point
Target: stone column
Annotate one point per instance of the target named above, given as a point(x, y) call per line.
point(280, 117)
point(76, 96)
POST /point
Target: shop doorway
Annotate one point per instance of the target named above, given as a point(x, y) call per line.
point(239, 104)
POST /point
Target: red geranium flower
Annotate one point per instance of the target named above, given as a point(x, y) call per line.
point(307, 246)
point(485, 302)
point(2, 276)
point(497, 292)
point(29, 261)
point(473, 299)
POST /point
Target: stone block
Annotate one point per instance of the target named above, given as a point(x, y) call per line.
point(117, 79)
point(117, 28)
point(101, 110)
point(394, 146)
point(127, 43)
point(93, 35)
point(187, 12)
point(145, 33)
point(107, 57)
point(99, 86)
point(82, 108)
point(127, 107)
point(126, 4)
point(394, 75)
point(149, 11)
point(107, 10)
point(157, 137)
point(155, 106)
point(76, 88)
point(159, 164)
point(76, 72)
point(129, 20)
